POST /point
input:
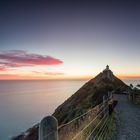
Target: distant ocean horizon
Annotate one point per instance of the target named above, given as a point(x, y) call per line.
point(23, 103)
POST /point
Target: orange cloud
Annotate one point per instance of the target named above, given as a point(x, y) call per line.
point(129, 76)
point(10, 76)
point(49, 73)
point(53, 76)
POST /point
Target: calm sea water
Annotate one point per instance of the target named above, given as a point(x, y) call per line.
point(24, 103)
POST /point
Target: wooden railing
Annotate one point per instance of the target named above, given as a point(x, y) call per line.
point(92, 124)
point(134, 97)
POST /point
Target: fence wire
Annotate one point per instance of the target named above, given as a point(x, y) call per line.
point(92, 125)
point(80, 128)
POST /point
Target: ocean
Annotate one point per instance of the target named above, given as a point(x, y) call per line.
point(25, 103)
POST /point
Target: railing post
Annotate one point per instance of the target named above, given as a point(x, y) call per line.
point(104, 106)
point(109, 100)
point(109, 95)
point(48, 128)
point(130, 96)
point(133, 96)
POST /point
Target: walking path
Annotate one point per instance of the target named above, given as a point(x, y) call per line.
point(128, 119)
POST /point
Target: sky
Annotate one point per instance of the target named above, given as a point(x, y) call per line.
point(71, 39)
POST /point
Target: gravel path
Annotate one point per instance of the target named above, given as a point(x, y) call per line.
point(128, 119)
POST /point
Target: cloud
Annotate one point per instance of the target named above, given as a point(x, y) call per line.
point(19, 58)
point(9, 76)
point(3, 68)
point(49, 73)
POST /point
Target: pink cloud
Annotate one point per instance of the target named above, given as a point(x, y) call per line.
point(19, 58)
point(3, 68)
point(49, 73)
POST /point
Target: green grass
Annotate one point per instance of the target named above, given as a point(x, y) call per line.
point(112, 126)
point(100, 132)
point(107, 131)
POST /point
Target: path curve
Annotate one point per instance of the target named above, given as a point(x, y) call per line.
point(128, 119)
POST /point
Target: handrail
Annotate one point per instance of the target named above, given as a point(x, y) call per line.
point(80, 126)
point(89, 124)
point(99, 129)
point(83, 114)
point(79, 116)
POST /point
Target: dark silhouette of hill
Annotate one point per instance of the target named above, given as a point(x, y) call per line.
point(88, 96)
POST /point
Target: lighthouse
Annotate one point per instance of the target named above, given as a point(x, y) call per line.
point(107, 73)
point(107, 67)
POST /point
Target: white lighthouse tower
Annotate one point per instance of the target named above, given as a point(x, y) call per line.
point(107, 67)
point(108, 73)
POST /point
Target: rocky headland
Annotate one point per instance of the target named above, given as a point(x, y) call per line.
point(88, 96)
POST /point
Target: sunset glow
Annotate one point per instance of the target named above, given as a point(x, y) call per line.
point(22, 65)
point(60, 43)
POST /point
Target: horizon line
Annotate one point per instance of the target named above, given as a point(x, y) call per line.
point(68, 78)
